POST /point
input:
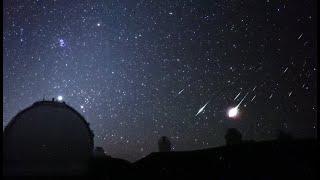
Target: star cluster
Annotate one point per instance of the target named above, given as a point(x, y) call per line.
point(138, 70)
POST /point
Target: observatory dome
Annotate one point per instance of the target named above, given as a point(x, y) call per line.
point(48, 137)
point(164, 144)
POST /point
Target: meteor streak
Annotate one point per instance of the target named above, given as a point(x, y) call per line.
point(253, 98)
point(242, 99)
point(290, 93)
point(254, 88)
point(237, 96)
point(180, 91)
point(202, 108)
point(270, 96)
point(233, 112)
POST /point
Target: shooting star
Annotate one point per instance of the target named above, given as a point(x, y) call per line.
point(202, 108)
point(270, 96)
point(254, 88)
point(290, 93)
point(285, 70)
point(253, 98)
point(233, 112)
point(242, 99)
point(180, 91)
point(300, 36)
point(237, 96)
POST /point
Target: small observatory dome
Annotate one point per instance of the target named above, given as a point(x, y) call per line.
point(233, 136)
point(48, 138)
point(164, 144)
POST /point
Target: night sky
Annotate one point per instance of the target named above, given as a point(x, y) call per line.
point(138, 70)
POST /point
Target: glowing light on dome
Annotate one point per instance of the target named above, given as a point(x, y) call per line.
point(60, 98)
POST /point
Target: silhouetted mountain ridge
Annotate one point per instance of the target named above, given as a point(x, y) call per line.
point(258, 160)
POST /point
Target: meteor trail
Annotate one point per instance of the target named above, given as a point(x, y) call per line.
point(253, 98)
point(254, 88)
point(180, 91)
point(242, 99)
point(237, 96)
point(202, 108)
point(270, 96)
point(300, 36)
point(233, 112)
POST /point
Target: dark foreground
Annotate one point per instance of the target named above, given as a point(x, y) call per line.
point(295, 159)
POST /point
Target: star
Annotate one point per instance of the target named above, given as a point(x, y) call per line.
point(60, 98)
point(61, 43)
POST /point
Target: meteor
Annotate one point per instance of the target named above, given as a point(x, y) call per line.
point(290, 93)
point(237, 96)
point(233, 112)
point(202, 108)
point(270, 96)
point(180, 91)
point(253, 98)
point(242, 99)
point(254, 88)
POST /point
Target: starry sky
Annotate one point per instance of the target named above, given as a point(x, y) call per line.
point(138, 70)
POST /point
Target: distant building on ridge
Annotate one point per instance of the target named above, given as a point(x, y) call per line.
point(164, 144)
point(233, 136)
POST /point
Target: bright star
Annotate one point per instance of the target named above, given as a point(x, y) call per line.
point(60, 98)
